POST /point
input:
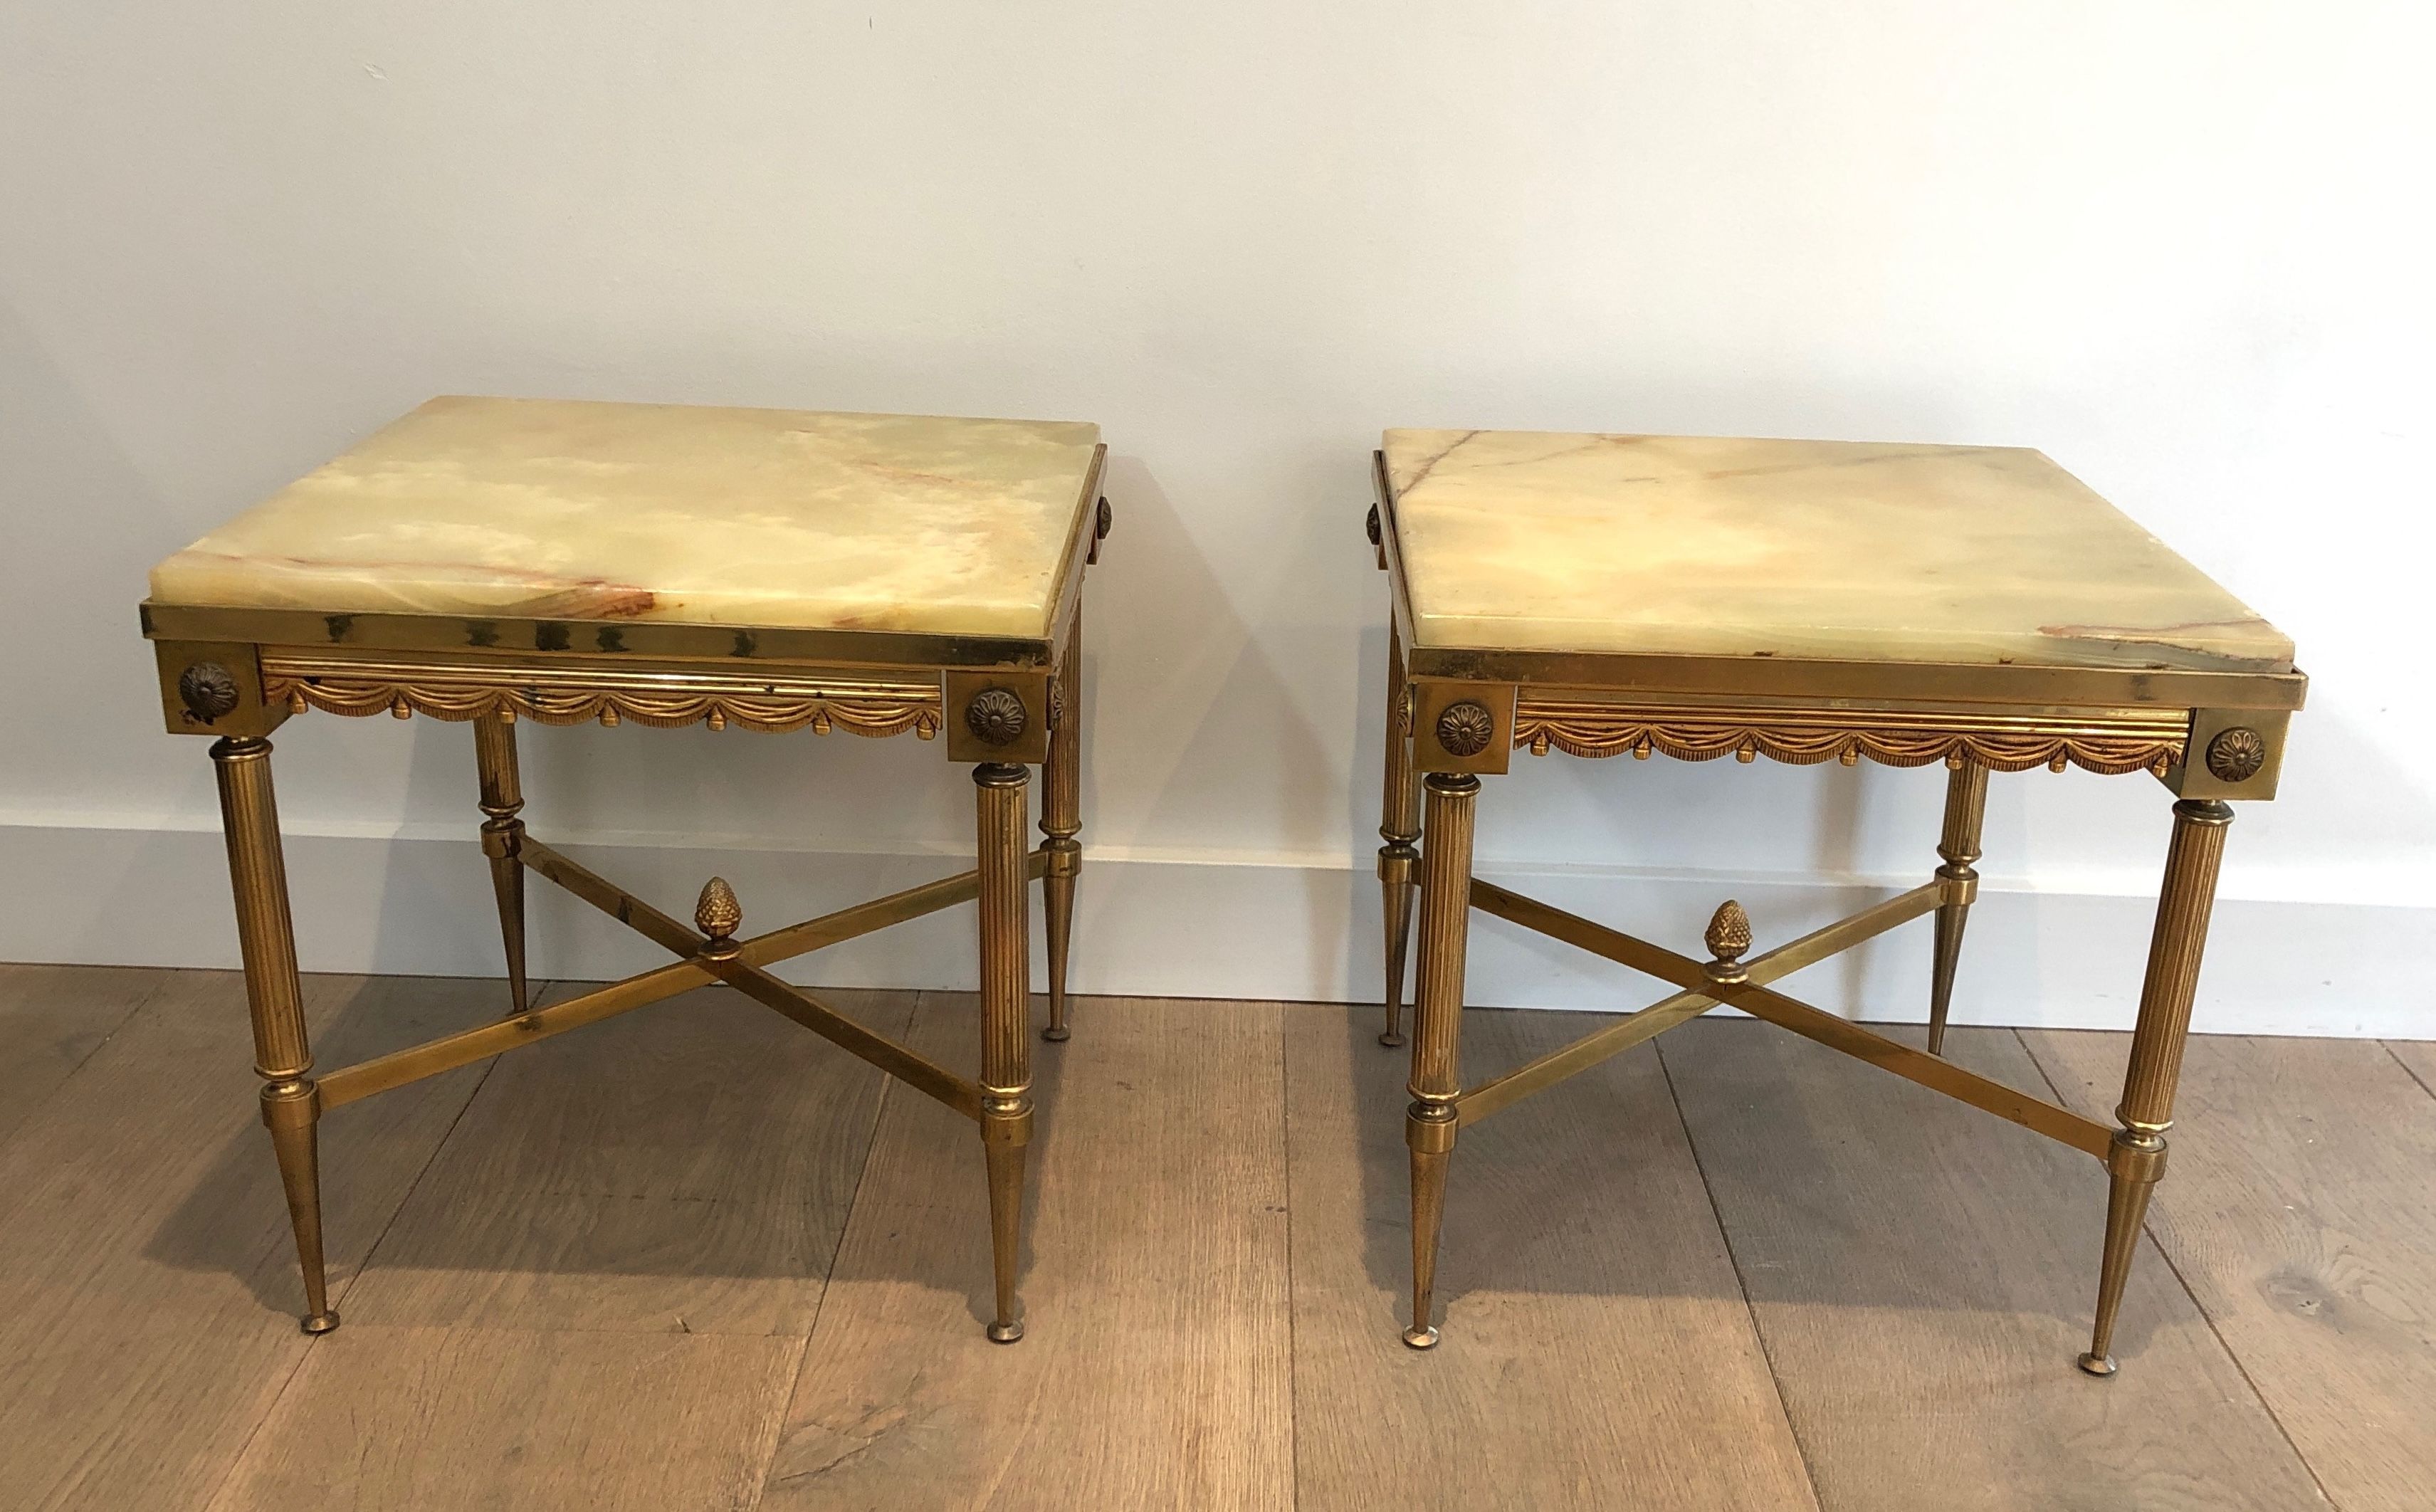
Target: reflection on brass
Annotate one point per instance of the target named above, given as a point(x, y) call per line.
point(995, 717)
point(578, 691)
point(2149, 741)
point(209, 690)
point(1818, 683)
point(2236, 754)
point(1464, 729)
point(645, 642)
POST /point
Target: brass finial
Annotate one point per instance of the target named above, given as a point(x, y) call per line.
point(1729, 935)
point(717, 914)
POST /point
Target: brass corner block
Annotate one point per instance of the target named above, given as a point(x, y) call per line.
point(1103, 520)
point(1462, 726)
point(213, 687)
point(1001, 716)
point(2231, 754)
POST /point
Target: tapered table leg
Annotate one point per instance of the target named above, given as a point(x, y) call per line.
point(1061, 820)
point(1966, 805)
point(1400, 825)
point(2147, 1111)
point(1007, 1024)
point(291, 1105)
point(503, 797)
point(1438, 1018)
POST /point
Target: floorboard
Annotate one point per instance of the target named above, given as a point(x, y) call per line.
point(2296, 1205)
point(147, 1279)
point(2418, 1057)
point(1154, 1371)
point(388, 1419)
point(684, 1169)
point(1922, 1275)
point(1595, 1349)
point(1732, 1271)
point(51, 1019)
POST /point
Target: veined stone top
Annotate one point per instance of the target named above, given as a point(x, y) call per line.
point(1841, 550)
point(572, 509)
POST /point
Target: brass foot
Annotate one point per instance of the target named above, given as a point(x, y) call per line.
point(1057, 1033)
point(1421, 1338)
point(1391, 1039)
point(1005, 1333)
point(319, 1322)
point(2100, 1365)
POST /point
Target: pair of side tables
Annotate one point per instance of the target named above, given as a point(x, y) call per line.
point(492, 559)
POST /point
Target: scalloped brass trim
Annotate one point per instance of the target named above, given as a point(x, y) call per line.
point(663, 695)
point(1897, 738)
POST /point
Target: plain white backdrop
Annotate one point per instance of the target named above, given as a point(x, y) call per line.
point(2183, 248)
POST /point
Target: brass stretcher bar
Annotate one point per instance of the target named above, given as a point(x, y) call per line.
point(741, 971)
point(1704, 991)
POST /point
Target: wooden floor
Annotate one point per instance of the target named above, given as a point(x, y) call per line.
point(697, 1259)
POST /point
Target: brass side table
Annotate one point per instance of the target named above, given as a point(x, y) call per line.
point(491, 559)
point(1806, 601)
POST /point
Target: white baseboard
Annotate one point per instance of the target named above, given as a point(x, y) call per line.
point(1202, 926)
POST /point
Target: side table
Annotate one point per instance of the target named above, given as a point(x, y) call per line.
point(1806, 601)
point(495, 560)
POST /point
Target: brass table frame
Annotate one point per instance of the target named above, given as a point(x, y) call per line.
point(1005, 704)
point(1458, 714)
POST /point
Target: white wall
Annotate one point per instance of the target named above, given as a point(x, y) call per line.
point(2179, 246)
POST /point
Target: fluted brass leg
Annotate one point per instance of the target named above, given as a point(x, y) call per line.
point(1966, 805)
point(2147, 1111)
point(1007, 1024)
point(1399, 824)
point(1061, 820)
point(284, 1059)
point(1437, 1017)
point(503, 797)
